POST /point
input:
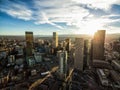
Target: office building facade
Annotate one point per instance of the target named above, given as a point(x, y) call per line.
point(79, 53)
point(55, 39)
point(98, 45)
point(62, 57)
point(29, 43)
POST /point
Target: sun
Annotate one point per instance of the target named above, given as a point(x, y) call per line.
point(91, 32)
point(86, 30)
point(88, 27)
point(91, 28)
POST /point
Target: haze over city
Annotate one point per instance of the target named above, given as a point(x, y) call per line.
point(63, 16)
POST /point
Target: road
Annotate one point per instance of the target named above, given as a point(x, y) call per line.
point(39, 81)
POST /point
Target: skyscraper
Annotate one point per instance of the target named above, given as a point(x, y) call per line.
point(98, 45)
point(29, 43)
point(62, 56)
point(79, 53)
point(29, 37)
point(55, 39)
point(86, 53)
point(68, 44)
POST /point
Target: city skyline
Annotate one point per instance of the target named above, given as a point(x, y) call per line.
point(65, 16)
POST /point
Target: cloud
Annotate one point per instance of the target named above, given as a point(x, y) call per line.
point(20, 14)
point(59, 12)
point(92, 24)
point(45, 20)
point(17, 10)
point(70, 12)
point(98, 4)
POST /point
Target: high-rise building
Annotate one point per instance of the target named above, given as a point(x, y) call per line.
point(55, 39)
point(68, 44)
point(29, 43)
point(62, 56)
point(79, 53)
point(86, 53)
point(98, 45)
point(38, 57)
point(116, 46)
point(29, 37)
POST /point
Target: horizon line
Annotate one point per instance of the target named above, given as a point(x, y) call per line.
point(59, 34)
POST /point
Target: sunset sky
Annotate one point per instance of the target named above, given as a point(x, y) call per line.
point(63, 16)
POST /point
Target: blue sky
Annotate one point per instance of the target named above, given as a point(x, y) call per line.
point(63, 16)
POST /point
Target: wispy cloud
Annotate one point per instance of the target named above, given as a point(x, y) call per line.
point(73, 14)
point(98, 4)
point(45, 20)
point(16, 10)
point(70, 12)
point(63, 11)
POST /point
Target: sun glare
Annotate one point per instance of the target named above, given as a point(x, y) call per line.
point(89, 28)
point(90, 32)
point(85, 31)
